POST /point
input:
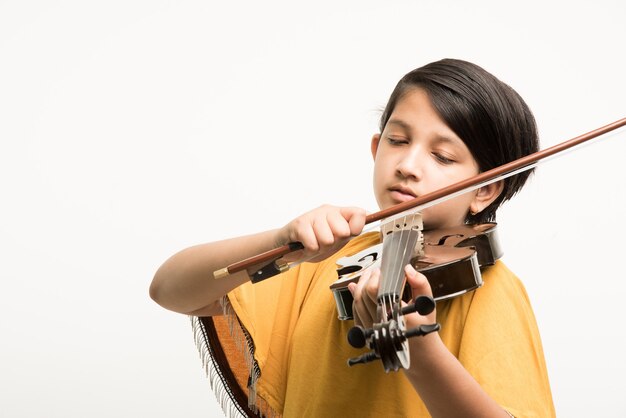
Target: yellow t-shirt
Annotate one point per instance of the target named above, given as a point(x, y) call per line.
point(302, 350)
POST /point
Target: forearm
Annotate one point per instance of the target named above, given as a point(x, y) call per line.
point(447, 389)
point(185, 282)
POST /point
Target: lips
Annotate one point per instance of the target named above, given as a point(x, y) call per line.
point(402, 193)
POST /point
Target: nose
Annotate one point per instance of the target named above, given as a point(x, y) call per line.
point(408, 165)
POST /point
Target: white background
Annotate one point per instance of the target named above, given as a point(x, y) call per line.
point(132, 129)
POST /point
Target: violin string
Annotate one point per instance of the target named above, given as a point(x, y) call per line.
point(408, 231)
point(391, 263)
point(390, 266)
point(401, 252)
point(392, 277)
point(397, 235)
point(392, 295)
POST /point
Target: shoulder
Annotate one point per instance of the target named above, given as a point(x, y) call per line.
point(500, 303)
point(499, 275)
point(502, 290)
point(491, 315)
point(499, 313)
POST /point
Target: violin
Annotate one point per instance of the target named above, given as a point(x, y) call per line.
point(449, 258)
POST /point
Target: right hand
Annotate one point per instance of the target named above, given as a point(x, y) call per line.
point(322, 231)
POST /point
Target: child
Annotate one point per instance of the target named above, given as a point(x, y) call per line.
point(444, 122)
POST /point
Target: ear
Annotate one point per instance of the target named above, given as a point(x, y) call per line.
point(375, 142)
point(485, 196)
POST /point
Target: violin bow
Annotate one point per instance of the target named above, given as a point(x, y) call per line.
point(268, 262)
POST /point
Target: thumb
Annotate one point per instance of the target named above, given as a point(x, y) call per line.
point(418, 282)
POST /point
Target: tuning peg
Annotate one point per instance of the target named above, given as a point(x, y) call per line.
point(365, 358)
point(421, 330)
point(422, 305)
point(357, 336)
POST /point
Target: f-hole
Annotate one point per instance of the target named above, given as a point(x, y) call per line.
point(443, 239)
point(356, 267)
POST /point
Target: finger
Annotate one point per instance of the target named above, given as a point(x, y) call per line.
point(338, 224)
point(358, 288)
point(306, 235)
point(356, 219)
point(355, 313)
point(367, 290)
point(323, 232)
point(359, 306)
point(370, 296)
point(418, 282)
point(419, 287)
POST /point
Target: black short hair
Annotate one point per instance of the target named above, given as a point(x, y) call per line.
point(488, 115)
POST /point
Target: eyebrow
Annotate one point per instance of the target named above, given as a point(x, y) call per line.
point(400, 123)
point(447, 139)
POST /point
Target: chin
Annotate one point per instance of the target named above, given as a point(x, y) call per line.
point(430, 223)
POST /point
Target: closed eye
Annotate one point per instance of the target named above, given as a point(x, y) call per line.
point(442, 158)
point(397, 141)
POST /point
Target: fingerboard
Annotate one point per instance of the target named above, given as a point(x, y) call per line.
point(403, 240)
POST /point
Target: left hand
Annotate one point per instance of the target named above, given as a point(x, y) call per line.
point(365, 293)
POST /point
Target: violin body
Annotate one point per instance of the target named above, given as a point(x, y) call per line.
point(451, 261)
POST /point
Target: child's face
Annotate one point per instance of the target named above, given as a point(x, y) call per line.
point(418, 153)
